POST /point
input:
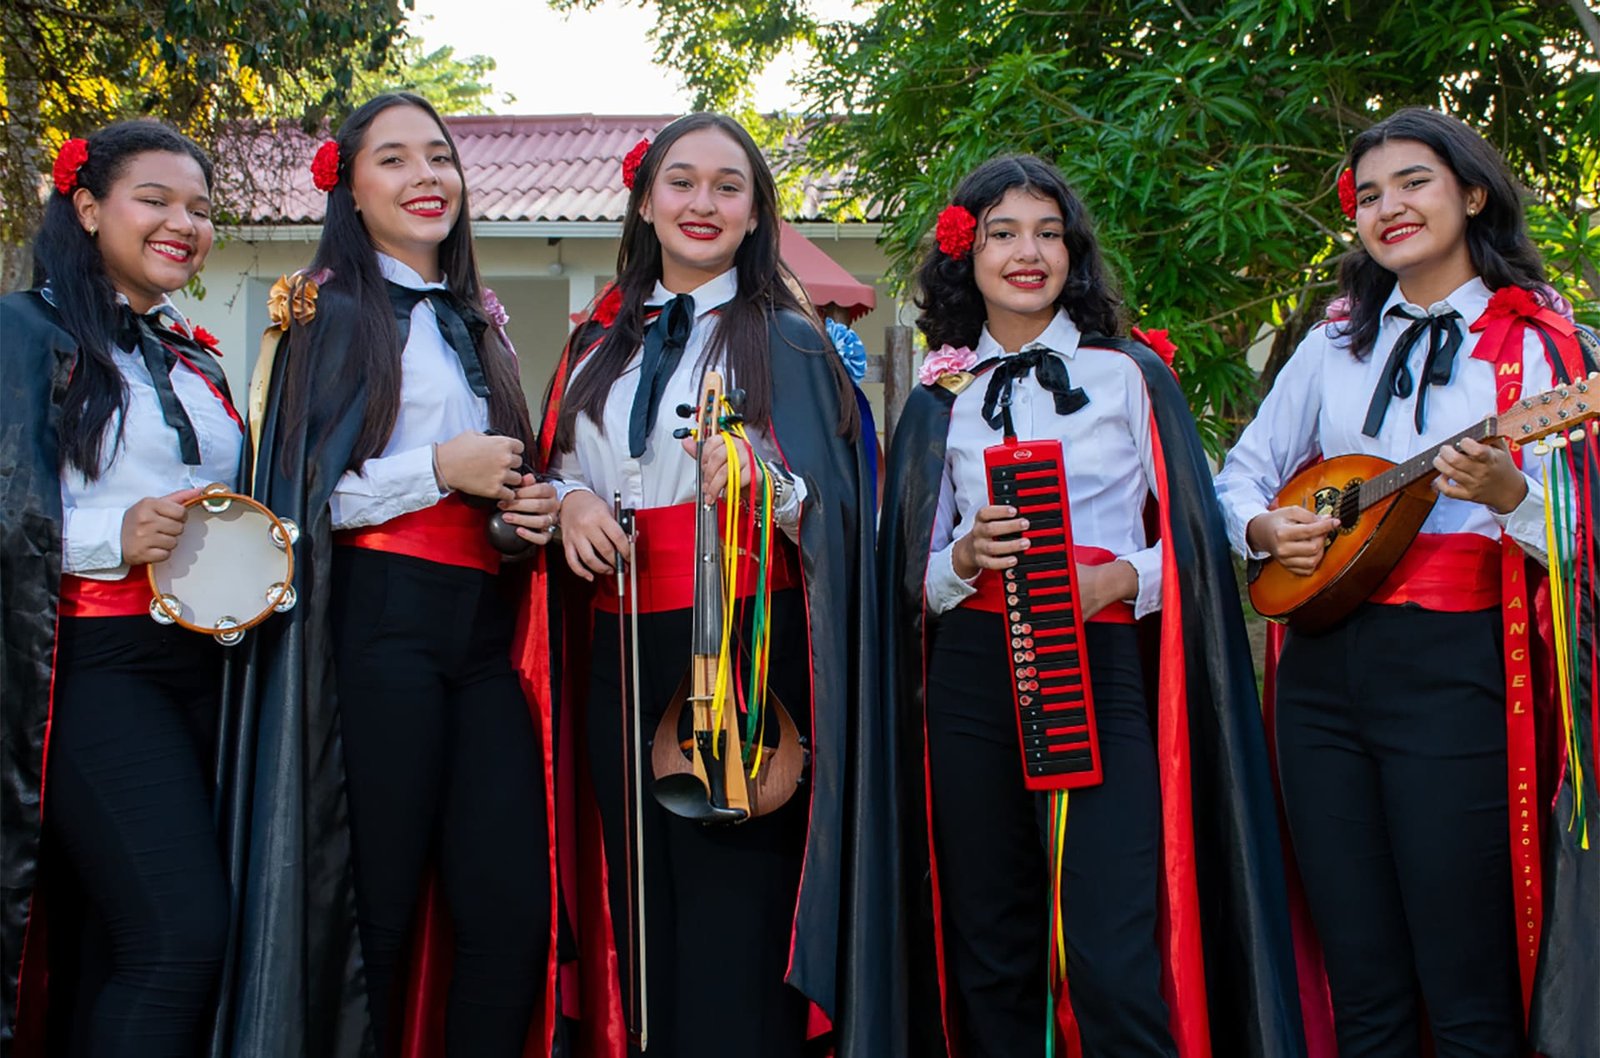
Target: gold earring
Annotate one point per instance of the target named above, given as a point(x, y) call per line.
point(94, 229)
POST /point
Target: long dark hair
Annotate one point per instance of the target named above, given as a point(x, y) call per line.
point(952, 307)
point(741, 338)
point(67, 259)
point(1497, 238)
point(347, 254)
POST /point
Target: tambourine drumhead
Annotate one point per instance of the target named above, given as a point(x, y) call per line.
point(232, 568)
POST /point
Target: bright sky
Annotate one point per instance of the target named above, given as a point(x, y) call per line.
point(597, 61)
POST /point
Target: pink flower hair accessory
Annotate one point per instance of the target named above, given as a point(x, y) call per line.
point(631, 162)
point(945, 360)
point(496, 312)
point(69, 159)
point(956, 231)
point(325, 166)
point(1347, 193)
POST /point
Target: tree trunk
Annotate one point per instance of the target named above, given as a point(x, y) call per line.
point(22, 170)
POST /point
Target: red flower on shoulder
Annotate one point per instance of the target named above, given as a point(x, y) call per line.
point(606, 309)
point(956, 231)
point(1347, 193)
point(207, 339)
point(631, 162)
point(69, 159)
point(325, 166)
point(1159, 343)
point(1513, 301)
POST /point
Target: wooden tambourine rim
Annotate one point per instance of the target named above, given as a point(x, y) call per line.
point(214, 492)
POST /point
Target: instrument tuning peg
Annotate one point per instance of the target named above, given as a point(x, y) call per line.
point(736, 397)
point(681, 432)
point(685, 411)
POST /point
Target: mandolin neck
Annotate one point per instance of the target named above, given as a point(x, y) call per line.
point(1420, 467)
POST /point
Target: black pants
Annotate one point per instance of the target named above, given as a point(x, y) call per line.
point(1392, 749)
point(719, 899)
point(442, 763)
point(993, 870)
point(128, 819)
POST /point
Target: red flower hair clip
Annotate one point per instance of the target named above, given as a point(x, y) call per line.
point(1347, 193)
point(956, 231)
point(69, 159)
point(631, 162)
point(325, 166)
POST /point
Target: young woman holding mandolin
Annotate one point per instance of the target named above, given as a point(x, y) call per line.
point(1060, 772)
point(716, 750)
point(1405, 669)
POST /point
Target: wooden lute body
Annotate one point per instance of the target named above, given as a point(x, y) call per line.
point(1381, 506)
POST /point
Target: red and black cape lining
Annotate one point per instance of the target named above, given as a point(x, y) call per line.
point(844, 946)
point(292, 870)
point(40, 356)
point(1228, 963)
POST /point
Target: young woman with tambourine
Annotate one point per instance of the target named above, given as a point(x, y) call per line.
point(727, 895)
point(392, 424)
point(1078, 713)
point(116, 413)
point(1416, 779)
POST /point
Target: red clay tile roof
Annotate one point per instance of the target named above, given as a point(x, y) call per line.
point(519, 168)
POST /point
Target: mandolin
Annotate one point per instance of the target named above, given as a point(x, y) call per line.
point(703, 768)
point(1381, 506)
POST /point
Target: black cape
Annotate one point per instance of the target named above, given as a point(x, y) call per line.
point(847, 956)
point(37, 358)
point(1248, 957)
point(293, 983)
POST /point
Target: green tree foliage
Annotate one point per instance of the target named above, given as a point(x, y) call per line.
point(1205, 136)
point(70, 66)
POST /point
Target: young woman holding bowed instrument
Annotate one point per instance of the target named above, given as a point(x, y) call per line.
point(728, 938)
point(116, 413)
point(1078, 801)
point(392, 425)
point(1406, 737)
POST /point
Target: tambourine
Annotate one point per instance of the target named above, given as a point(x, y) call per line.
point(232, 567)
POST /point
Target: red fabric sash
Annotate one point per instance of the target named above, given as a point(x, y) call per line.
point(664, 545)
point(1446, 572)
point(128, 597)
point(451, 532)
point(991, 596)
point(1503, 329)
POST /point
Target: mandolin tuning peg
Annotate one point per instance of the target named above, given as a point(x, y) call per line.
point(1577, 435)
point(1541, 449)
point(685, 411)
point(736, 397)
point(681, 432)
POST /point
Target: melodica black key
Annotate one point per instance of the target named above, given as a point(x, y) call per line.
point(1044, 622)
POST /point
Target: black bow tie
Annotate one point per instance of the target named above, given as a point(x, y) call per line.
point(452, 324)
point(1444, 339)
point(1051, 372)
point(664, 343)
point(153, 340)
